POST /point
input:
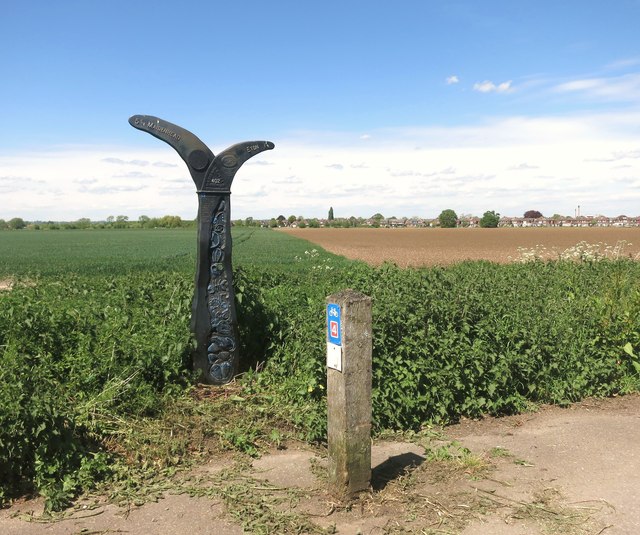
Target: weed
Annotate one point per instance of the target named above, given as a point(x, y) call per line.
point(498, 452)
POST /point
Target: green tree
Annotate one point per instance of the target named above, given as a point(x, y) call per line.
point(170, 221)
point(330, 218)
point(532, 214)
point(144, 221)
point(122, 221)
point(376, 220)
point(273, 223)
point(314, 223)
point(17, 223)
point(291, 219)
point(448, 218)
point(83, 223)
point(490, 219)
point(3, 224)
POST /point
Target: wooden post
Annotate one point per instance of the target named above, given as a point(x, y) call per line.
point(349, 345)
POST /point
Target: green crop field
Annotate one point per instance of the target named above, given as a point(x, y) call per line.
point(95, 383)
point(122, 251)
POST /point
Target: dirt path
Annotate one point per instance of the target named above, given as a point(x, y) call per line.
point(563, 471)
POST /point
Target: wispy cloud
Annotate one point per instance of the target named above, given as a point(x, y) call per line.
point(616, 156)
point(470, 168)
point(293, 179)
point(624, 154)
point(133, 174)
point(119, 161)
point(621, 64)
point(489, 87)
point(523, 167)
point(625, 88)
point(19, 183)
point(452, 80)
point(405, 173)
point(107, 190)
point(164, 164)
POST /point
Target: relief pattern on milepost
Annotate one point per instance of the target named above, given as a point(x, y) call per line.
point(221, 343)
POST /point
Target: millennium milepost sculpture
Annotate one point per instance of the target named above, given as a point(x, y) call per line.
point(213, 319)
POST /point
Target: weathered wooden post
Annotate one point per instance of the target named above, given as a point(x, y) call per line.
point(349, 346)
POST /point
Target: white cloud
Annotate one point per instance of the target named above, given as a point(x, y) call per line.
point(119, 161)
point(617, 156)
point(470, 168)
point(625, 88)
point(104, 190)
point(623, 64)
point(489, 87)
point(133, 174)
point(523, 167)
point(164, 164)
point(288, 180)
point(452, 80)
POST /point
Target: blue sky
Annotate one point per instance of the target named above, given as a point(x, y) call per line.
point(403, 108)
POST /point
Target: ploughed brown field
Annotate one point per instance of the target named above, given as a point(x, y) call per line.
point(426, 246)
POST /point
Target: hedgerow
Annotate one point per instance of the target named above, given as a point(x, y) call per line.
point(471, 339)
point(82, 354)
point(76, 357)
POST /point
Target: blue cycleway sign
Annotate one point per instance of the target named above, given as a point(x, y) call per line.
point(334, 326)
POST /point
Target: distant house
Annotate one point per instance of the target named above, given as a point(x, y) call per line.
point(394, 222)
point(473, 222)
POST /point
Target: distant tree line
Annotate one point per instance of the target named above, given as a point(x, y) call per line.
point(447, 219)
point(112, 222)
point(301, 222)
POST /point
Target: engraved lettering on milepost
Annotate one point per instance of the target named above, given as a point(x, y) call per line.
point(157, 127)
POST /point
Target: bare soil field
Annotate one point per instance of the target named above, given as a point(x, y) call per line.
point(427, 247)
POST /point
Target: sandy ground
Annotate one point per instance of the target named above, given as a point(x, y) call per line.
point(564, 471)
point(5, 285)
point(425, 247)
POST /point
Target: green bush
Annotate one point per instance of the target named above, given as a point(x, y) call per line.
point(470, 339)
point(82, 354)
point(75, 356)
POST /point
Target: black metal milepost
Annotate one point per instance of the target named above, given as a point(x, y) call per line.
point(213, 319)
